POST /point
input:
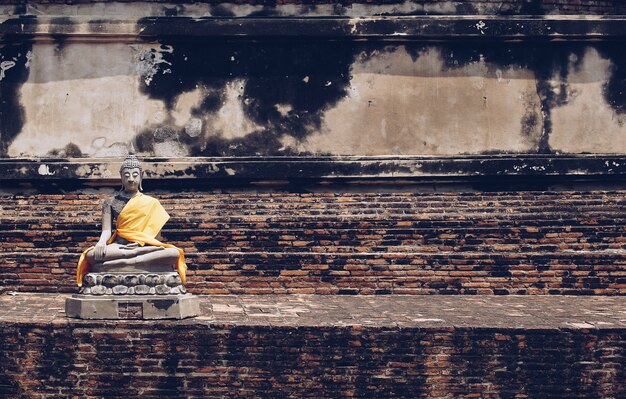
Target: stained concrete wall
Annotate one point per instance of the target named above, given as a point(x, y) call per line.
point(248, 8)
point(180, 98)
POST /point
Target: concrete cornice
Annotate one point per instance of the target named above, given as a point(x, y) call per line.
point(336, 167)
point(397, 28)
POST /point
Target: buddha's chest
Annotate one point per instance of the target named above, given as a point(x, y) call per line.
point(117, 203)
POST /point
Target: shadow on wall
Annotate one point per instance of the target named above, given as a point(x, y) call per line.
point(276, 88)
point(14, 59)
point(285, 90)
point(243, 98)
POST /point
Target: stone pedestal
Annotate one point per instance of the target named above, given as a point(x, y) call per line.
point(124, 307)
point(132, 294)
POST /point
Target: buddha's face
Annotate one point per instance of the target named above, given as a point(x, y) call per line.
point(131, 179)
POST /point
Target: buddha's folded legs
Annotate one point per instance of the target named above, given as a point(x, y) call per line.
point(147, 256)
point(116, 252)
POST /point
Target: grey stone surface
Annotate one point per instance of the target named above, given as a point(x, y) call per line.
point(149, 307)
point(397, 311)
point(100, 268)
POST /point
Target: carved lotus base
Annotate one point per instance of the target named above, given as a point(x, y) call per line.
point(140, 294)
point(145, 283)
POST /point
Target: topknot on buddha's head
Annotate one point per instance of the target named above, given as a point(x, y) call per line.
point(131, 162)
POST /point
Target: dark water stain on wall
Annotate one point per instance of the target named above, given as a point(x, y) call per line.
point(525, 7)
point(71, 150)
point(63, 27)
point(57, 355)
point(285, 87)
point(21, 8)
point(550, 62)
point(451, 7)
point(529, 121)
point(14, 59)
point(309, 77)
point(173, 11)
point(9, 383)
point(220, 10)
point(266, 11)
point(171, 363)
point(615, 87)
point(532, 362)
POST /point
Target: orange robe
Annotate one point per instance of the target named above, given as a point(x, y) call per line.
point(140, 221)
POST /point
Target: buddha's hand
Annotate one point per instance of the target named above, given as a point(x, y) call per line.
point(100, 251)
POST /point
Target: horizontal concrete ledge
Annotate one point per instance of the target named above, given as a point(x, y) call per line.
point(395, 311)
point(277, 168)
point(395, 28)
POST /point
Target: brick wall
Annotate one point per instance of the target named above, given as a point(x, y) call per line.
point(353, 243)
point(153, 360)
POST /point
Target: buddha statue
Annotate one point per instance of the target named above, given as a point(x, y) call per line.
point(132, 246)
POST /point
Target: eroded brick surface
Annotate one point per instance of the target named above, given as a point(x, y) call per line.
point(322, 346)
point(567, 242)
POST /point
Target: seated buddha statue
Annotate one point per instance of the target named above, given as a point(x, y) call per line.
point(132, 245)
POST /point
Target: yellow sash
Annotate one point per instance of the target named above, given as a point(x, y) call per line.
point(140, 221)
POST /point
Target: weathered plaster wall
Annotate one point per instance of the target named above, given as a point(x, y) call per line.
point(404, 104)
point(181, 97)
point(243, 8)
point(84, 99)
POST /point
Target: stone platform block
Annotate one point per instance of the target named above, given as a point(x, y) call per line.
point(321, 346)
point(148, 307)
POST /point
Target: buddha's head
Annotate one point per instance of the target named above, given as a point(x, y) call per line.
point(131, 173)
